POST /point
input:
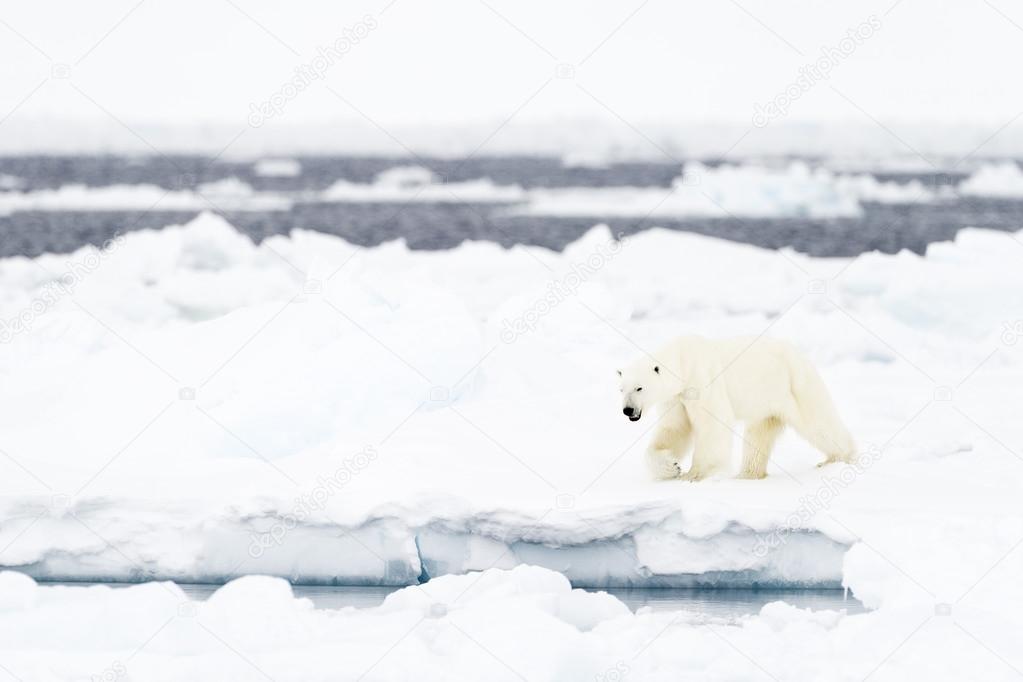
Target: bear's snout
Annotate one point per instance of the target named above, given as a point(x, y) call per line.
point(632, 414)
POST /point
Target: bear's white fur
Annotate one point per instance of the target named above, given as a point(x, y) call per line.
point(700, 388)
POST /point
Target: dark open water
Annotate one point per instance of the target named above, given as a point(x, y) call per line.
point(883, 227)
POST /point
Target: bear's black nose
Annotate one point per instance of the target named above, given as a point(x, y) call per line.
point(627, 411)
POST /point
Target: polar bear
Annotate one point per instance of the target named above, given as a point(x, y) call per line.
point(701, 387)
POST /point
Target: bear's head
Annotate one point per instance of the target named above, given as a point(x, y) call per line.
point(642, 385)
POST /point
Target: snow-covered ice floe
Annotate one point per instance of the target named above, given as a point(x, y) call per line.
point(189, 405)
point(186, 404)
point(526, 623)
point(748, 190)
point(229, 194)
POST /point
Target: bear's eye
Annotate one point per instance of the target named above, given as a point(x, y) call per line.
point(639, 389)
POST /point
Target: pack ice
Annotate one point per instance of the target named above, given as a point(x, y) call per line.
point(184, 404)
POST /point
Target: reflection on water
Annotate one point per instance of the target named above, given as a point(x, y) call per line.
point(701, 604)
point(322, 596)
point(729, 604)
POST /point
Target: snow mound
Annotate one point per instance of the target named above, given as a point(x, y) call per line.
point(523, 585)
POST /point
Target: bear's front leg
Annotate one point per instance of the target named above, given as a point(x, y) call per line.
point(670, 443)
point(663, 464)
point(713, 444)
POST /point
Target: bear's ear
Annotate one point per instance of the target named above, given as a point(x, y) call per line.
point(657, 370)
point(619, 372)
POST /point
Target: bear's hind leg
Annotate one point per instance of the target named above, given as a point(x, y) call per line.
point(758, 442)
point(815, 417)
point(831, 438)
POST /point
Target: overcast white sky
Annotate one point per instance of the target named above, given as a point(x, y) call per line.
point(469, 65)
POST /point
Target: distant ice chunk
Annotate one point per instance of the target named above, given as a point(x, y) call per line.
point(586, 159)
point(406, 177)
point(419, 184)
point(277, 168)
point(233, 194)
point(1002, 180)
point(748, 190)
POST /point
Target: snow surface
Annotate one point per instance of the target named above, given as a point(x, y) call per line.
point(186, 404)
